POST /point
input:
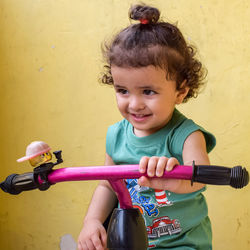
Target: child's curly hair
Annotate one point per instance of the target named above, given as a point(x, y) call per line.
point(160, 44)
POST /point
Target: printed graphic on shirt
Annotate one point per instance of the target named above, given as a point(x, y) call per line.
point(161, 198)
point(149, 204)
point(160, 226)
point(150, 245)
point(163, 226)
point(145, 202)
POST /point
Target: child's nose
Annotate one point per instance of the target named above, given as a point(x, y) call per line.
point(136, 103)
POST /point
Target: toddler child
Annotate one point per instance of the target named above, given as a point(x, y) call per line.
point(153, 69)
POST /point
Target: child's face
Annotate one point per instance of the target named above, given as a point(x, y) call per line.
point(145, 97)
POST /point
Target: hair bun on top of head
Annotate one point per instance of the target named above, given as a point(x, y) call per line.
point(145, 14)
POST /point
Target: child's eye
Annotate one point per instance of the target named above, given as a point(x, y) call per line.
point(122, 91)
point(149, 92)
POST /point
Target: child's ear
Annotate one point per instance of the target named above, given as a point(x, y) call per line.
point(182, 92)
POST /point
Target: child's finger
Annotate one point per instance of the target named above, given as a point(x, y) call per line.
point(152, 164)
point(97, 243)
point(158, 183)
point(79, 246)
point(104, 237)
point(161, 165)
point(90, 245)
point(171, 163)
point(143, 164)
point(143, 181)
point(152, 183)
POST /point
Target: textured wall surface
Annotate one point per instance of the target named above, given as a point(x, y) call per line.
point(50, 61)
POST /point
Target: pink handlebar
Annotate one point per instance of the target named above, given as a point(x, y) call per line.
point(44, 176)
point(115, 175)
point(112, 173)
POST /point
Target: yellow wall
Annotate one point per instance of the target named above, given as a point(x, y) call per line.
point(49, 65)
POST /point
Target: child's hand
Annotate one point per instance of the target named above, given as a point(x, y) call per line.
point(155, 167)
point(93, 236)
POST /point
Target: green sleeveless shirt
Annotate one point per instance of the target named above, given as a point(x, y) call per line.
point(173, 221)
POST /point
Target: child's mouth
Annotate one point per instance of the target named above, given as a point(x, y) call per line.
point(140, 117)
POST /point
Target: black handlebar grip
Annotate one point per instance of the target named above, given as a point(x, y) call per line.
point(236, 177)
point(239, 177)
point(16, 183)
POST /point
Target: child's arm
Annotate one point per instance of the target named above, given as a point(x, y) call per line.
point(93, 234)
point(194, 149)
